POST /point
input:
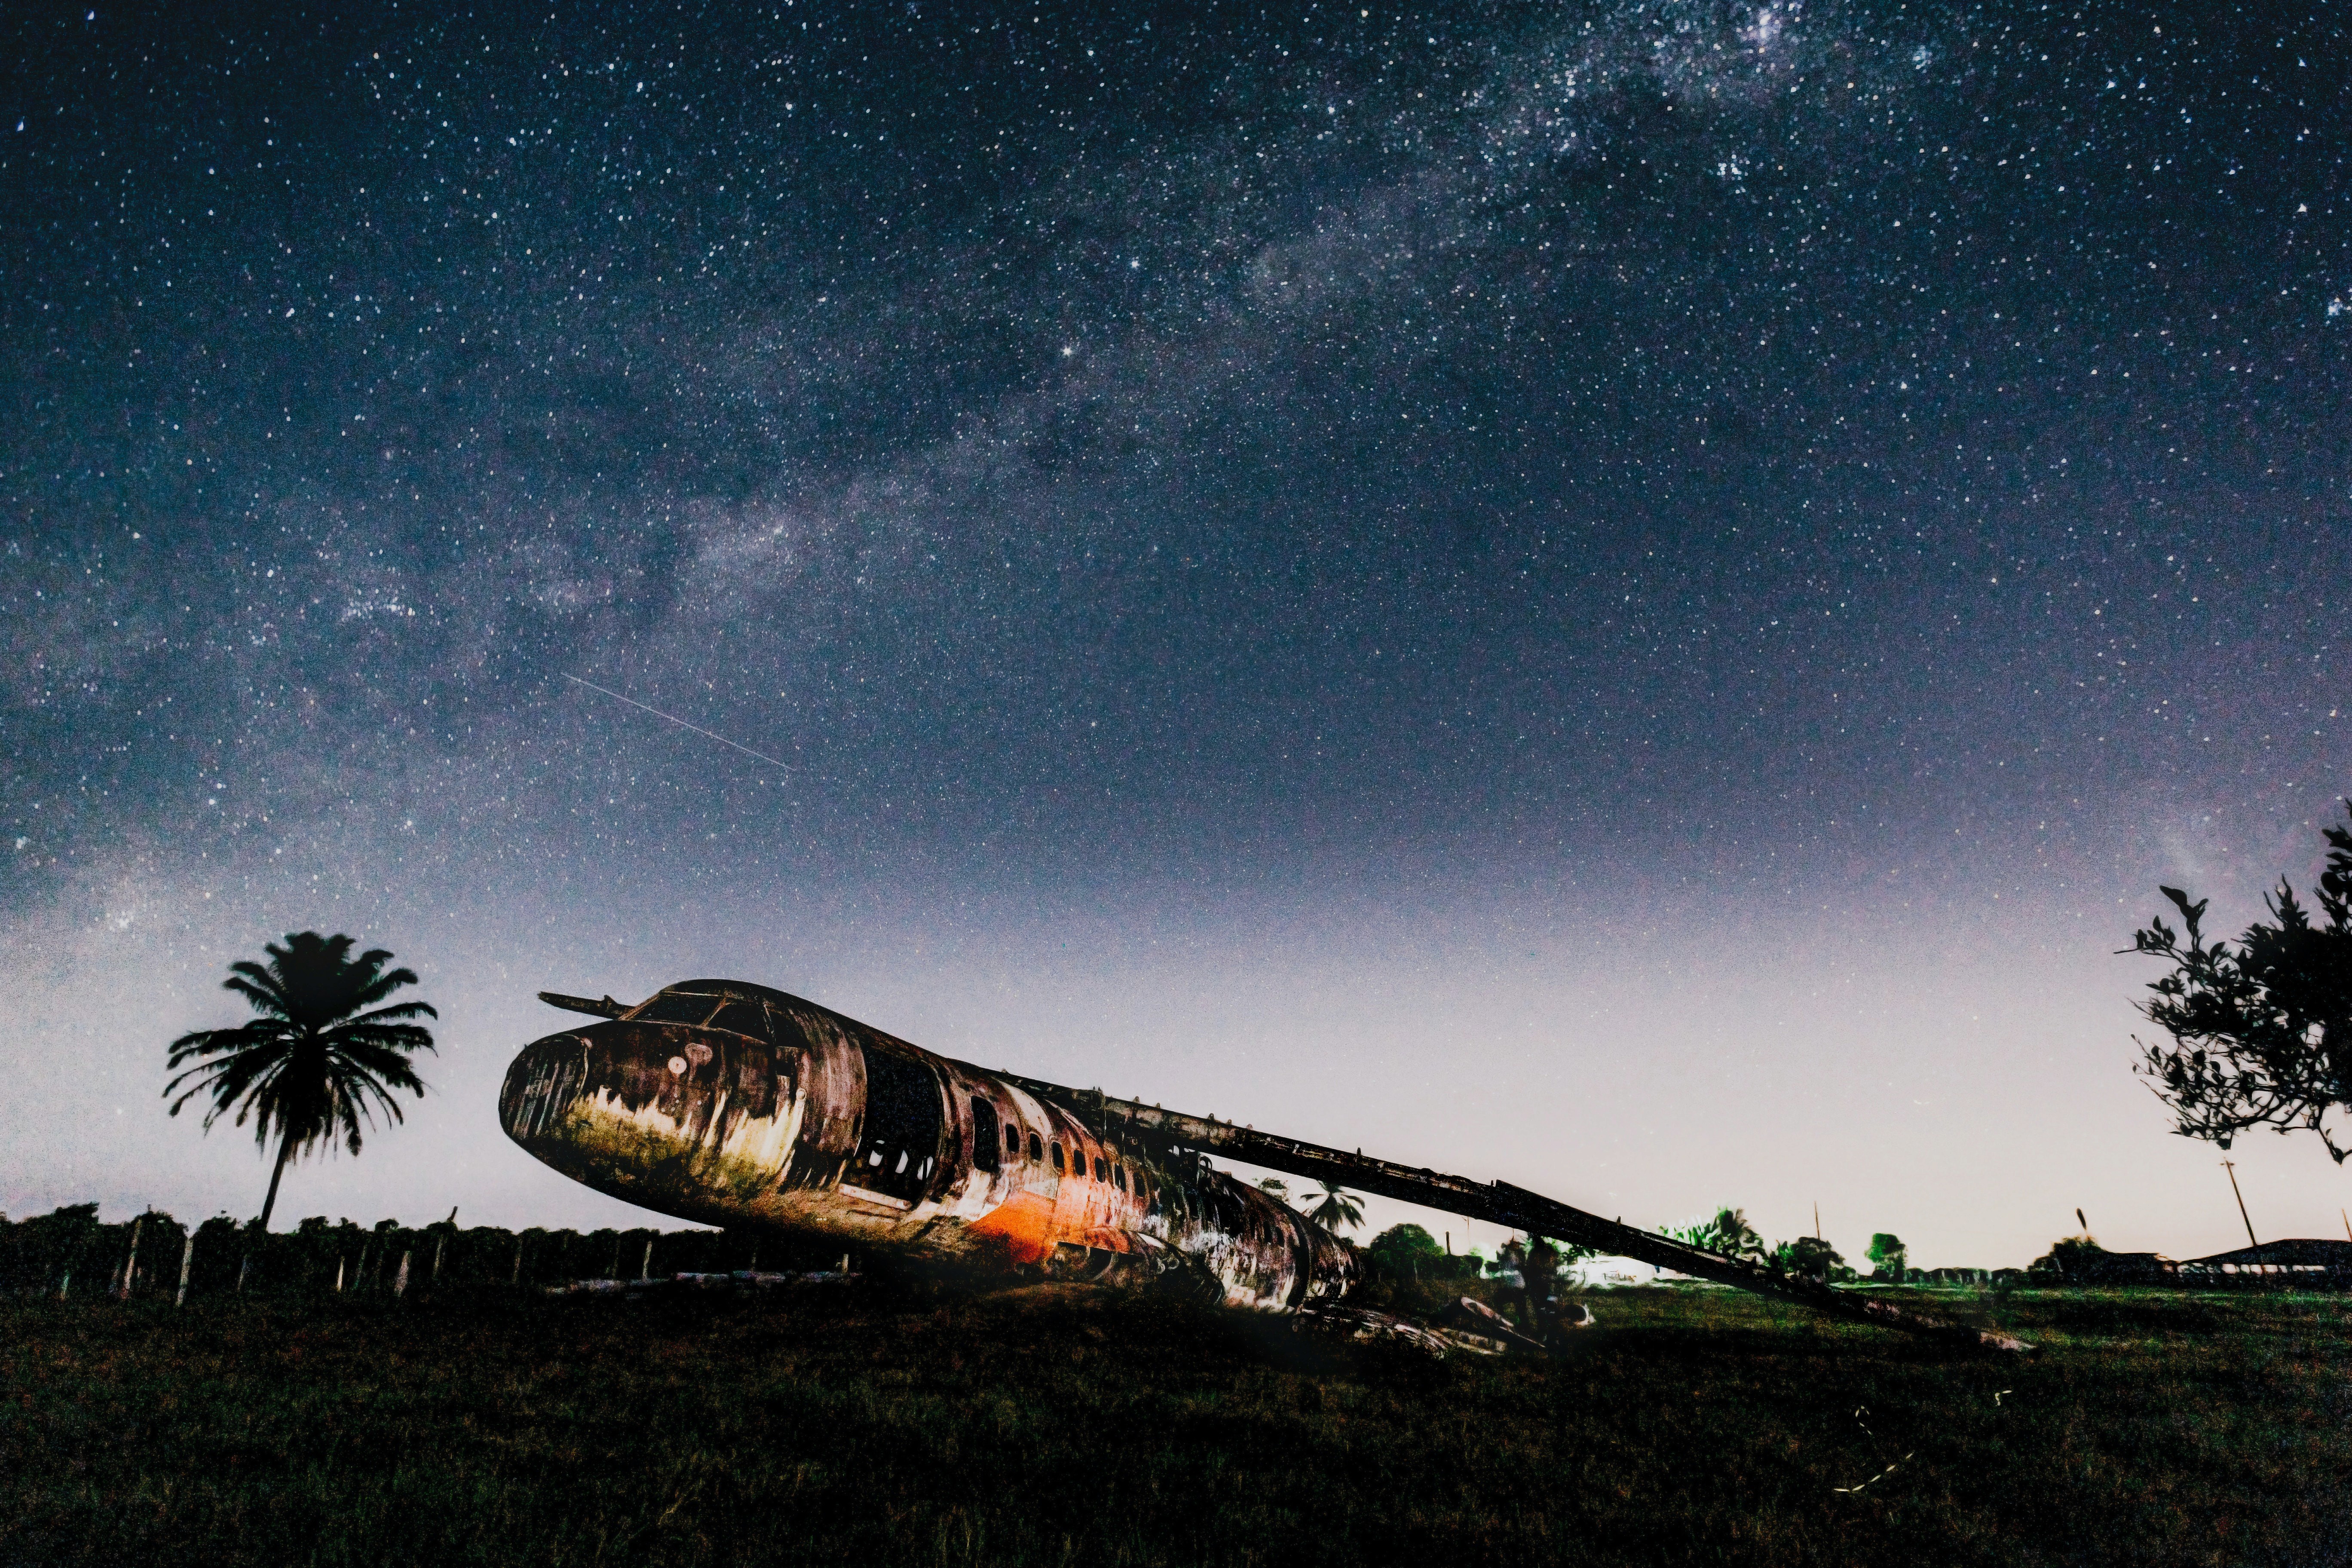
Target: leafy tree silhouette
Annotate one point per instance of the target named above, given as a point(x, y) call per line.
point(1808, 1255)
point(2070, 1257)
point(1401, 1247)
point(2259, 1033)
point(320, 1056)
point(1728, 1233)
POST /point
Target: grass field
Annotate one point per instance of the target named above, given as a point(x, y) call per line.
point(1061, 1425)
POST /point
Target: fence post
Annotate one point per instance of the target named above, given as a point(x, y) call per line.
point(243, 1268)
point(187, 1256)
point(340, 1265)
point(516, 1281)
point(646, 1265)
point(400, 1283)
point(130, 1264)
point(437, 1246)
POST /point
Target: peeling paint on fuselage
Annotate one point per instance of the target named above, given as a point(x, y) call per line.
point(731, 1104)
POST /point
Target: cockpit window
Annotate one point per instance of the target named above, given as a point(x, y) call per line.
point(678, 1008)
point(743, 1018)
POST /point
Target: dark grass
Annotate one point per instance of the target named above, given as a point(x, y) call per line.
point(1068, 1427)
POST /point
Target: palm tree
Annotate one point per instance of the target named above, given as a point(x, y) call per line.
point(319, 1059)
point(1336, 1211)
point(1732, 1236)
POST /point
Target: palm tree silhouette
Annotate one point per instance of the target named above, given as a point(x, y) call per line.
point(320, 1055)
point(1336, 1211)
point(1731, 1234)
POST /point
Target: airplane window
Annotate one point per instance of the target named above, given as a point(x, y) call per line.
point(1057, 1156)
point(1037, 1150)
point(1119, 1176)
point(983, 1135)
point(905, 1113)
point(1079, 1160)
point(1013, 1141)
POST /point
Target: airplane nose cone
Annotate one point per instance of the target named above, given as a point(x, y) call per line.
point(548, 1077)
point(691, 1122)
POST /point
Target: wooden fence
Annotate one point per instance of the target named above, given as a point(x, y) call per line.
point(71, 1256)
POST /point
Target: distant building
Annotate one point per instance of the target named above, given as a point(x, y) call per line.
point(1613, 1274)
point(2312, 1262)
point(1951, 1276)
point(2080, 1260)
point(2122, 1268)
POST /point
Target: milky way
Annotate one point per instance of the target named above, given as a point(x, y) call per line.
point(1867, 455)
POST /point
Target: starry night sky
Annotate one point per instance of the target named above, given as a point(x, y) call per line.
point(1631, 597)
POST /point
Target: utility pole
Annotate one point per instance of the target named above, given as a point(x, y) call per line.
point(2232, 1167)
point(1817, 1219)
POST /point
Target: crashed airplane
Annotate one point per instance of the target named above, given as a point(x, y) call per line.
point(731, 1104)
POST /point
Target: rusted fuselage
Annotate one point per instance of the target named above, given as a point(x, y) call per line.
point(731, 1104)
